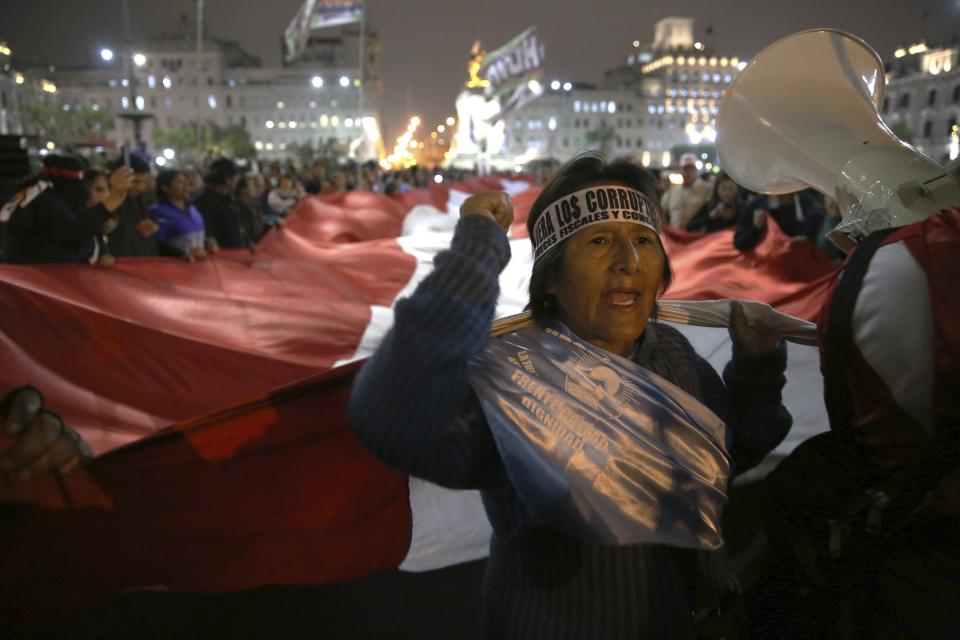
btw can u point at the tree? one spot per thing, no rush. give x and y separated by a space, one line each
231 141
902 130
602 137
181 139
67 125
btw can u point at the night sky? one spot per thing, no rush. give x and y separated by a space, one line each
426 42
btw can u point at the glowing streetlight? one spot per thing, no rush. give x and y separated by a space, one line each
316 81
567 86
139 59
169 154
555 85
451 121
106 54
344 81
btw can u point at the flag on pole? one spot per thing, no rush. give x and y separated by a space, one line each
318 14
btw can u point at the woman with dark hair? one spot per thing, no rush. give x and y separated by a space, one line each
180 224
721 210
98 189
595 279
49 220
247 194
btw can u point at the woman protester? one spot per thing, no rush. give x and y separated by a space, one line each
414 407
181 225
98 189
721 210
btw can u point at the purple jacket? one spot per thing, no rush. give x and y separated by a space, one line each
178 227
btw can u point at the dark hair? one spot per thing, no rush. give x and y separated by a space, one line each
584 169
164 178
220 171
715 196
90 176
242 183
137 163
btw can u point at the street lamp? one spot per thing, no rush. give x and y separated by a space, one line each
106 54
139 59
344 81
317 82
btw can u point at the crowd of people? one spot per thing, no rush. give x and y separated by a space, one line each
95 215
71 212
712 202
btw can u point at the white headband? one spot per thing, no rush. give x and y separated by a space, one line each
587 207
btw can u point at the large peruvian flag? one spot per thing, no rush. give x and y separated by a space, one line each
250 357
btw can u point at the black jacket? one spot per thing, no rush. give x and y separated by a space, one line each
793 223
47 230
223 219
126 240
703 223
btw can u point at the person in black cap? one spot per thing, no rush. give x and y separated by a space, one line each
135 234
48 221
222 217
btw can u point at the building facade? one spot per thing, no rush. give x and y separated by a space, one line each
922 98
15 94
315 101
664 95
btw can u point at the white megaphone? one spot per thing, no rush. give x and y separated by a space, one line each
804 112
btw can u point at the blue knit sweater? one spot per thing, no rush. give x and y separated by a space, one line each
413 408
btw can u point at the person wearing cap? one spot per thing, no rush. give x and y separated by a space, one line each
681 202
48 220
597 276
224 221
135 234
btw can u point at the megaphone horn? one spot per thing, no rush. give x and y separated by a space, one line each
804 112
